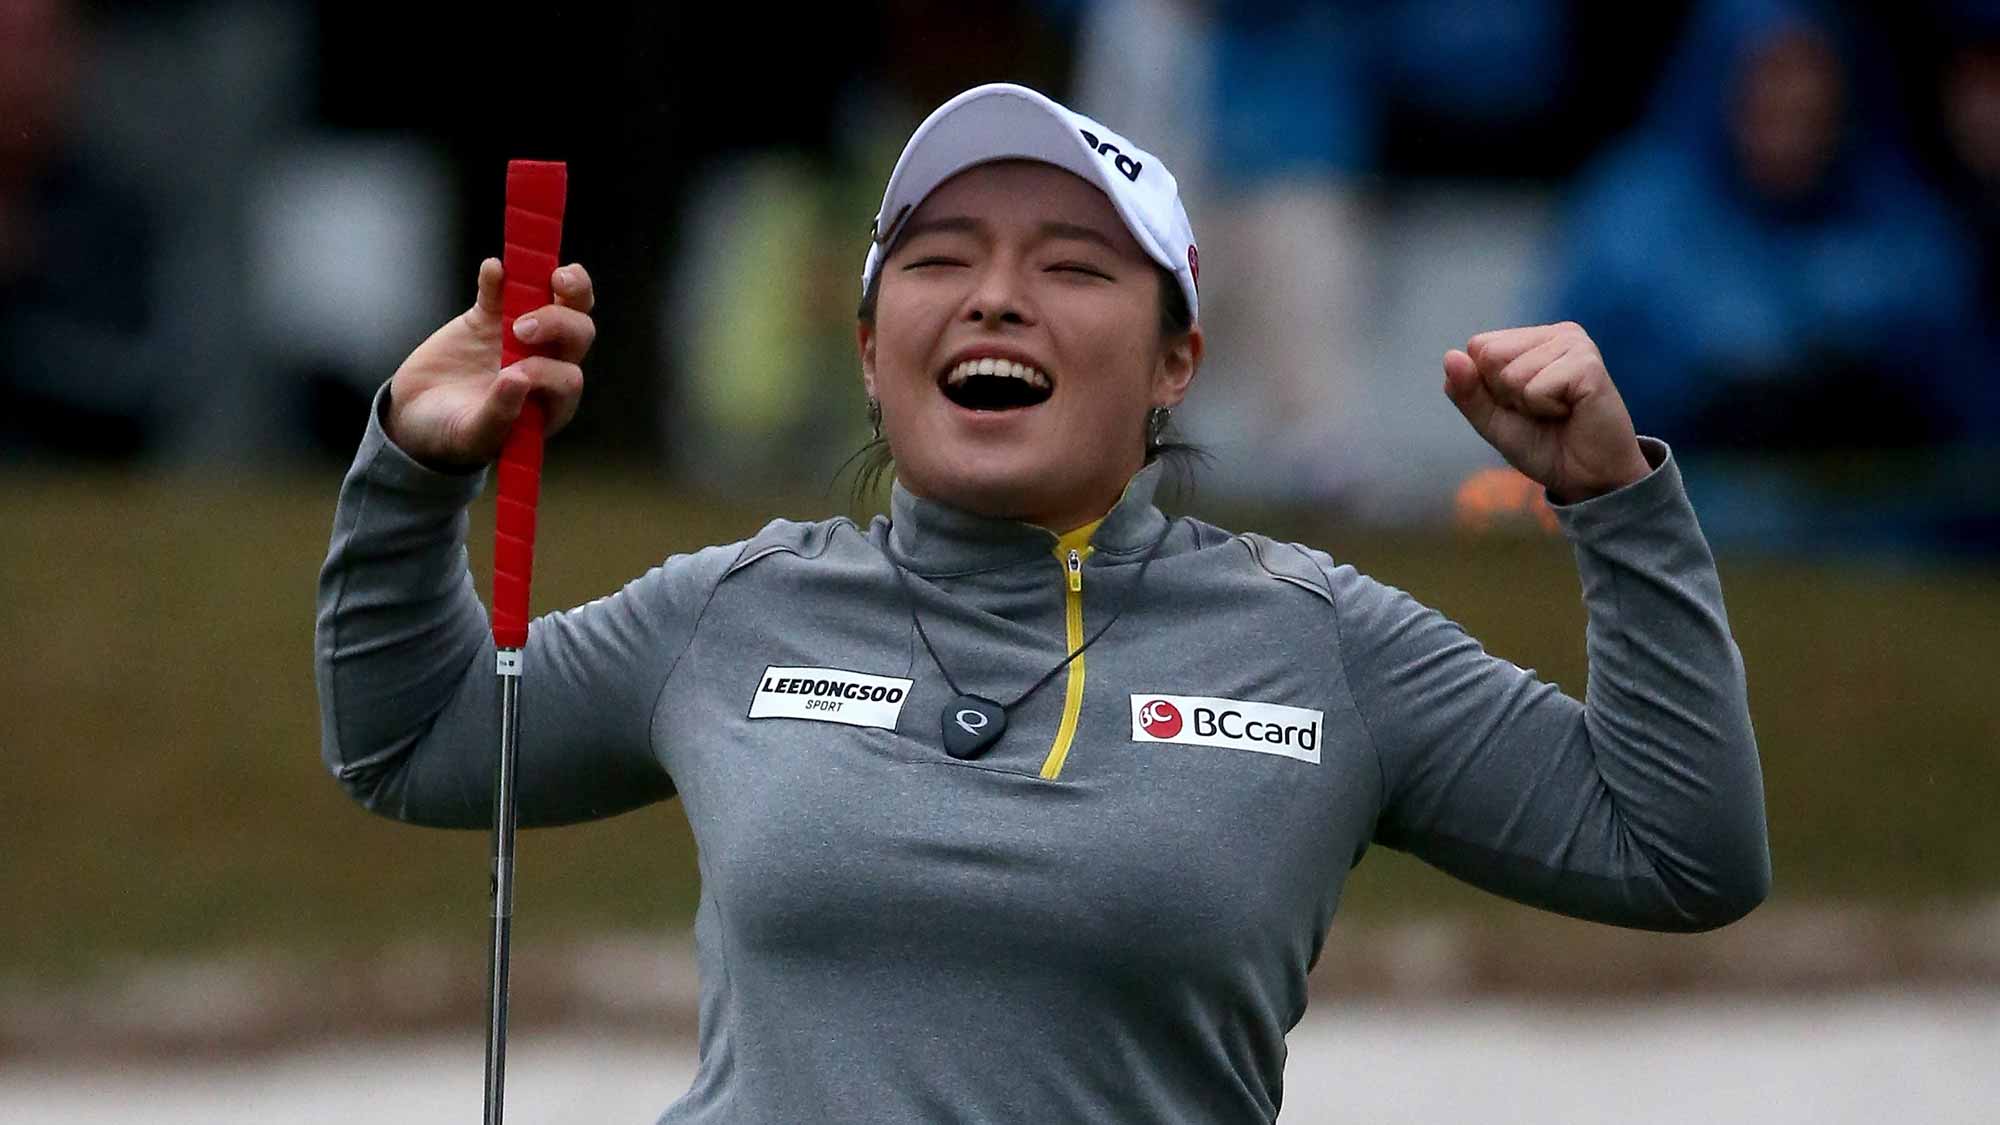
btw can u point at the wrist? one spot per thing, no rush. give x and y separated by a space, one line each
387 415
1631 470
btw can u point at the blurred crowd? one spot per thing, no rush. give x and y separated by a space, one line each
223 221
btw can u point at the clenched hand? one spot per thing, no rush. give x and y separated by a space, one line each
1541 396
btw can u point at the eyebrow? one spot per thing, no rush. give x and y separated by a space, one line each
959 224
1076 231
966 224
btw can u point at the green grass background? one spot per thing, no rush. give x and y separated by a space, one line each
164 795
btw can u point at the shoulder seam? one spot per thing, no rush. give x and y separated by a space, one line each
653 709
1255 543
767 541
1354 700
1258 544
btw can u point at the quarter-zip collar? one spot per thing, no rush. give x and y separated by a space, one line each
936 540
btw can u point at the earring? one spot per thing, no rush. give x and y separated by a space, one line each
875 418
1156 424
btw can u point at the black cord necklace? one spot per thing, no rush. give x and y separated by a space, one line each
971 723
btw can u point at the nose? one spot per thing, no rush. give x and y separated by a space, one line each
999 297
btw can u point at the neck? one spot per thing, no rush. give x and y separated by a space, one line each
1077 519
1060 518
941 537
1069 519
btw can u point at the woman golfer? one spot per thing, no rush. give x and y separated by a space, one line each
1028 803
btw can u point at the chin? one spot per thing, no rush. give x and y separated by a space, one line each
1004 487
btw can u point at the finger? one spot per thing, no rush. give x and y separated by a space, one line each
1554 389
559 384
1495 350
573 287
1509 382
558 332
490 276
1467 391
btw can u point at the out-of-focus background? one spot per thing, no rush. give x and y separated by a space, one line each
223 222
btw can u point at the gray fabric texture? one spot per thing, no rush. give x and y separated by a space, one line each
886 934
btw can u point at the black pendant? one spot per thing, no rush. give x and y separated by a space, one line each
971 724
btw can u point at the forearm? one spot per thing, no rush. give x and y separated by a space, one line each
1667 714
399 633
408 697
1641 806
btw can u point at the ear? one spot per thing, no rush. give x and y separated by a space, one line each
1175 372
864 342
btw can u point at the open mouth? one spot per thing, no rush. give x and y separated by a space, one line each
996 384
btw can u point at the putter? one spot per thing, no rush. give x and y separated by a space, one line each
533 238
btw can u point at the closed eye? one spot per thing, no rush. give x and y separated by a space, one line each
920 263
1080 268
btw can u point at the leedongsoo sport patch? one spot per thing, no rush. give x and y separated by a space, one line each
1233 724
830 695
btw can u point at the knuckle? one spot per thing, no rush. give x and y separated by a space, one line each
571 326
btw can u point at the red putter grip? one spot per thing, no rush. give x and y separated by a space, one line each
533 239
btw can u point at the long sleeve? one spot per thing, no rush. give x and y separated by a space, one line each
403 655
1642 805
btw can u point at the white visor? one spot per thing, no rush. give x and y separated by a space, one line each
1002 121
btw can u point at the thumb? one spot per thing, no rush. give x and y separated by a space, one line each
1467 391
496 413
491 275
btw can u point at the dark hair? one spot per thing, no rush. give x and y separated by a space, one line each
1176 319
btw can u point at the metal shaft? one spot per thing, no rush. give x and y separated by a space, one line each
502 884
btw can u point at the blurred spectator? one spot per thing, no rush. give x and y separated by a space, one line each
760 324
758 316
1286 240
1968 99
76 371
1760 264
1277 116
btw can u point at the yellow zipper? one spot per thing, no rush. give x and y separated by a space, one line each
1071 550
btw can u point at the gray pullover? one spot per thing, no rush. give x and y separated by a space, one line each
1110 915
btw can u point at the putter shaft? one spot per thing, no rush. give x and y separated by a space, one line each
509 667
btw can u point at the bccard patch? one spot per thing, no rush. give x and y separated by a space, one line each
1233 724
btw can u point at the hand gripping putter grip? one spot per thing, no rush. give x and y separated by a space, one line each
533 239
